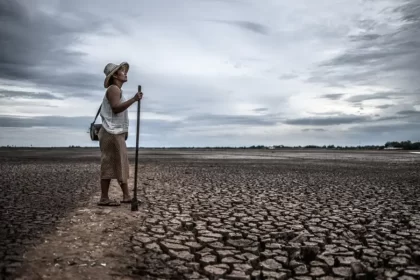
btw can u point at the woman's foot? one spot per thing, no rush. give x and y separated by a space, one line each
108 202
126 199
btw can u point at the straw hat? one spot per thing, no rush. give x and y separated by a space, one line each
110 69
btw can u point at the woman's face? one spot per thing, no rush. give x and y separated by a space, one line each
121 75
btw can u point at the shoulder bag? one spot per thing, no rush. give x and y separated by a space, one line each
94 128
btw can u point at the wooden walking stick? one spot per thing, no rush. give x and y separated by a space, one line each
134 201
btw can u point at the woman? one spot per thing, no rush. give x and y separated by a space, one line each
112 135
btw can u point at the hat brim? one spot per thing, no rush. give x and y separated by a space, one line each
108 77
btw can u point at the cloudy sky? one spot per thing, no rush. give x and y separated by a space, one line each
213 72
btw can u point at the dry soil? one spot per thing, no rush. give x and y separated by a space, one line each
211 214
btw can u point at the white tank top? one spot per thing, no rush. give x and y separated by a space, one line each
111 122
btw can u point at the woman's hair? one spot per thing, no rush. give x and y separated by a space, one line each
111 80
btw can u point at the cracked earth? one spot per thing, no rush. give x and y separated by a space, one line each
354 216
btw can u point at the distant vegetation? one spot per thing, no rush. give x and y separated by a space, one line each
405 145
391 145
394 145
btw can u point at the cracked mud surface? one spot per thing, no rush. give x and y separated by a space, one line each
277 220
349 217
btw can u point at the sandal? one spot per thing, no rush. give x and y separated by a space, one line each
108 203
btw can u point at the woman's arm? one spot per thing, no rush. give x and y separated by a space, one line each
114 94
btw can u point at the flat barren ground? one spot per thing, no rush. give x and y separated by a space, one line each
211 214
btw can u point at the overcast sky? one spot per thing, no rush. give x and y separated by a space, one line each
213 73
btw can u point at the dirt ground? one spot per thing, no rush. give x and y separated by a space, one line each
218 215
91 243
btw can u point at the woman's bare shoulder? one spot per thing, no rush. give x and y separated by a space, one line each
113 90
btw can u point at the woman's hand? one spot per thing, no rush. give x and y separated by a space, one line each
138 96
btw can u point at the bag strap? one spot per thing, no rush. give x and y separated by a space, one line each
99 110
97 114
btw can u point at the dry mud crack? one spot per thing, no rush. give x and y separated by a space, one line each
251 219
275 222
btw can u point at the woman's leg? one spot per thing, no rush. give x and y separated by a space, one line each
126 194
104 189
106 163
124 171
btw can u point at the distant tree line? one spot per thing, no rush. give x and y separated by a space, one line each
403 145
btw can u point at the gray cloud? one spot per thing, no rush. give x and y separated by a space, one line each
313 129
364 37
326 113
321 121
33 47
379 56
410 11
82 123
343 77
28 95
379 95
219 119
376 133
147 126
409 113
288 76
37 41
260 109
246 25
367 56
157 128
203 120
412 127
223 1
359 98
46 121
332 96
385 106
161 131
344 119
